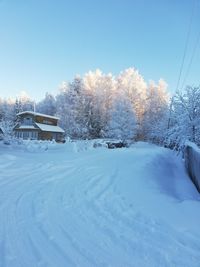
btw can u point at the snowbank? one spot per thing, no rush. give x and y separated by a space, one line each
72 146
37 146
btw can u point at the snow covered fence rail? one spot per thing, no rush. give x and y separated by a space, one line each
192 163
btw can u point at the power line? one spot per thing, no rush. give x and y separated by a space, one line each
186 46
191 60
183 60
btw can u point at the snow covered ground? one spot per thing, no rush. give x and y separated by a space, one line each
65 206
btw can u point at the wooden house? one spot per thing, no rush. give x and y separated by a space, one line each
34 125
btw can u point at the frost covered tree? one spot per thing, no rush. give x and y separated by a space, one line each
1 109
72 108
185 117
18 106
7 117
81 106
8 110
7 128
98 105
99 87
122 122
155 119
64 106
131 82
26 103
47 105
17 109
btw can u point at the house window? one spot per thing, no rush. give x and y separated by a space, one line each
27 121
34 135
25 135
47 122
30 135
54 136
18 134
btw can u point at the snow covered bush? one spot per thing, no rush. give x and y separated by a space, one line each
7 134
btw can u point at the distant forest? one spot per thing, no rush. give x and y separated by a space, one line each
100 105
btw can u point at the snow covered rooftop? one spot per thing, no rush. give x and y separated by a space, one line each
27 127
49 128
37 114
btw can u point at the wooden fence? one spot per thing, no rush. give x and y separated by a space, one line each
192 163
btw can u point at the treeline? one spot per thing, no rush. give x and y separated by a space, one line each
100 105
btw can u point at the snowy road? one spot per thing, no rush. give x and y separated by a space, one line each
125 207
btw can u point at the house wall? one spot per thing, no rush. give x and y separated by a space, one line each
50 136
45 136
45 120
26 119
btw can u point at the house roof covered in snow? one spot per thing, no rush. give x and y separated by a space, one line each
49 128
37 114
27 127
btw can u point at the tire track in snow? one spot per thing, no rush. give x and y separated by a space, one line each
60 215
25 198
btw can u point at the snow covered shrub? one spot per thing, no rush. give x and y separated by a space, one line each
83 145
37 145
7 128
100 143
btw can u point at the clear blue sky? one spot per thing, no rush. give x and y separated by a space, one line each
43 42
